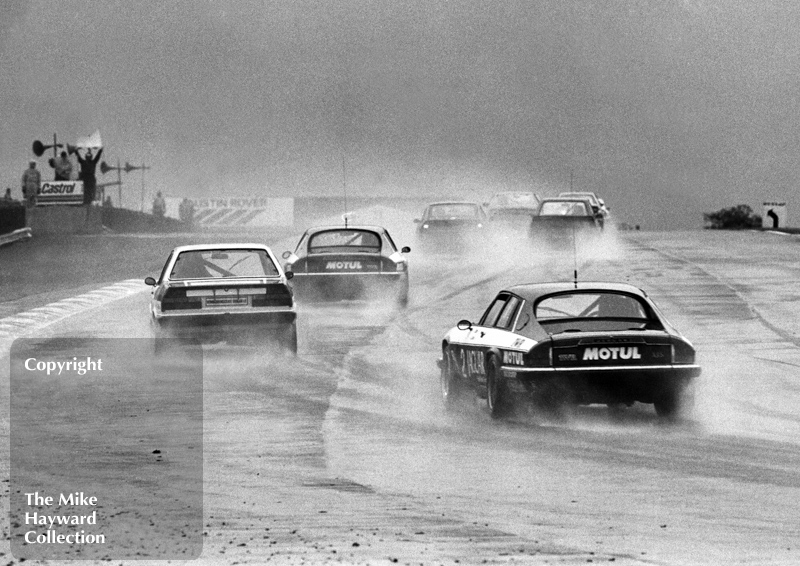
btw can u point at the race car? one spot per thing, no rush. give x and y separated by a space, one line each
346 263
512 210
224 292
448 226
560 219
552 345
598 205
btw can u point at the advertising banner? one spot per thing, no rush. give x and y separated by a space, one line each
258 211
60 192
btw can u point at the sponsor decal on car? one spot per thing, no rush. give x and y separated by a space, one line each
612 353
343 265
513 358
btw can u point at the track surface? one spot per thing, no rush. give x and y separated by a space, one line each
344 455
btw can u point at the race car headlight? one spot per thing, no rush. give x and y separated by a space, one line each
425 226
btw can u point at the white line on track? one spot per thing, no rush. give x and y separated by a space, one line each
30 321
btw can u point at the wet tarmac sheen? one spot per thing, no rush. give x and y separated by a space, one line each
344 454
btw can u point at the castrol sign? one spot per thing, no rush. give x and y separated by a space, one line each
60 192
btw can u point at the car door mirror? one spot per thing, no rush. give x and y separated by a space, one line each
405 249
289 274
417 220
150 281
286 254
464 324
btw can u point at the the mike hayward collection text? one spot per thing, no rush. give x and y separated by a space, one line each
50 522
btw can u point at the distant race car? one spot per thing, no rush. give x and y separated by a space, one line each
447 226
598 205
556 344
512 209
224 292
560 218
354 262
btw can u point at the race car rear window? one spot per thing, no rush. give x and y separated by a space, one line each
564 208
220 264
594 311
345 239
452 211
589 305
514 200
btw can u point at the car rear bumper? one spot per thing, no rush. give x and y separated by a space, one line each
222 324
609 384
350 285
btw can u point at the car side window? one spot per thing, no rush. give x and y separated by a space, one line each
389 240
166 265
493 312
507 315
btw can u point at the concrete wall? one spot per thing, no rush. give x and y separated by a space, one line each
65 219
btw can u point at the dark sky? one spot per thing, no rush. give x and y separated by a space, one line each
667 108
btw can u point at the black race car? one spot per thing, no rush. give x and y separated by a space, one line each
560 220
449 226
354 262
512 210
555 344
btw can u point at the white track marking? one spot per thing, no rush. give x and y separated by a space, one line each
30 321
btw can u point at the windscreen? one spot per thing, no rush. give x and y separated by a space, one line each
594 311
220 264
514 200
563 208
452 211
352 240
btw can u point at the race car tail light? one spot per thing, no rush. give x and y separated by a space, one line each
682 353
275 296
539 356
175 299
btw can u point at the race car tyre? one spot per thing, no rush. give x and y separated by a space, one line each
402 300
452 388
289 339
497 394
676 403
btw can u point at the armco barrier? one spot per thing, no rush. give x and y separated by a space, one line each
65 219
12 217
15 236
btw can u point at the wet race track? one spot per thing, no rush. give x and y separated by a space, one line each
345 454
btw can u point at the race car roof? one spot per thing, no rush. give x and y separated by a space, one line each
371 227
533 291
235 246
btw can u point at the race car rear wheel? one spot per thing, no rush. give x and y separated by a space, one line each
497 394
289 339
452 388
675 403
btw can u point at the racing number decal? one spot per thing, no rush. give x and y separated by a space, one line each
468 362
475 362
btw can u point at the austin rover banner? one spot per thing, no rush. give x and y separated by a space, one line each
60 192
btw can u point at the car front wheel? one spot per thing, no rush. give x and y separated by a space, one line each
452 389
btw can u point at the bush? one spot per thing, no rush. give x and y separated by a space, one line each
735 218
